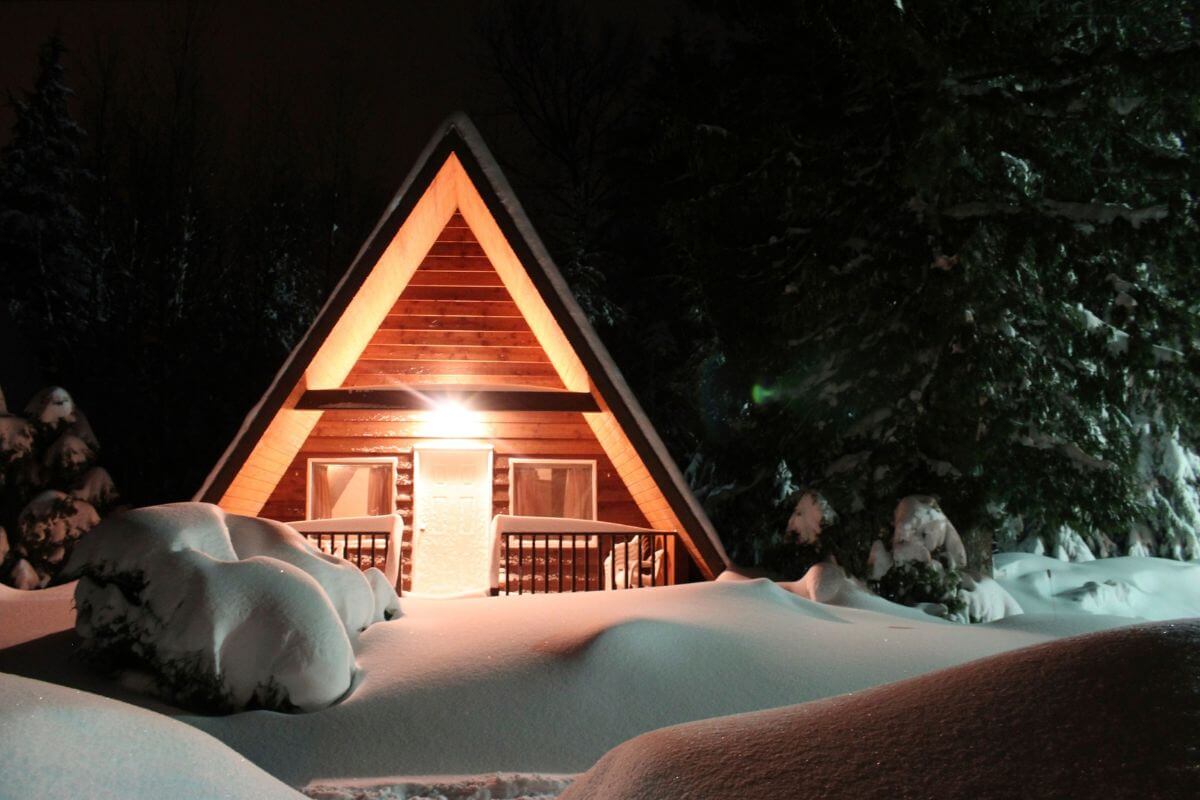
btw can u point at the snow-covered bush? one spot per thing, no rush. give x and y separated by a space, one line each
47 529
52 407
807 539
51 490
923 563
223 612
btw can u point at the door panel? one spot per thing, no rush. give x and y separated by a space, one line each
452 504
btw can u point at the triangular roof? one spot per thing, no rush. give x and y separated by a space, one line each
457 172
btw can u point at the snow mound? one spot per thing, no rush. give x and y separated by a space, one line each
1131 586
1073 716
223 612
987 600
60 742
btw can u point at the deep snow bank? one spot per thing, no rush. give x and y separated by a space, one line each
1072 718
222 611
58 742
548 683
1133 586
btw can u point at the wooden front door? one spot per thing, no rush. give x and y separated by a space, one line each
452 512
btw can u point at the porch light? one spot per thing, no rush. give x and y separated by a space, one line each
450 418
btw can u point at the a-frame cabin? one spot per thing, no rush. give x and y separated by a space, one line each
452 377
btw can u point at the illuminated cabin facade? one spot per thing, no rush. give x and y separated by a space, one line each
452 378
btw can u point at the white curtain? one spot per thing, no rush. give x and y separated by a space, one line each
321 504
577 493
552 490
379 492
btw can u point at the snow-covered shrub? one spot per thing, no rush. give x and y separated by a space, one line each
344 584
96 487
16 444
923 563
387 602
52 407
224 612
811 516
986 600
51 491
1170 472
24 576
67 458
48 528
926 584
808 533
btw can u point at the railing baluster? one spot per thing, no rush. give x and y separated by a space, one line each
625 553
521 564
654 566
546 563
612 562
558 551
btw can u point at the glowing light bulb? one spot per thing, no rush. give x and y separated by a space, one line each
451 418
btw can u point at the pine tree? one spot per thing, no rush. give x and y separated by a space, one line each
46 258
967 236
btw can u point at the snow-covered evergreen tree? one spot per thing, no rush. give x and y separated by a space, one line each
51 489
46 249
967 235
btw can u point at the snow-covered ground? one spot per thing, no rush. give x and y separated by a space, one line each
544 685
1139 587
59 742
1108 715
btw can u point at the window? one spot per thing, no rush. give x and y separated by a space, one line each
553 488
351 487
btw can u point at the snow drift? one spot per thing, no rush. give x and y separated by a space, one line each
222 611
1066 719
60 742
1131 586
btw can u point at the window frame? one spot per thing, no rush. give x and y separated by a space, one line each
391 461
552 462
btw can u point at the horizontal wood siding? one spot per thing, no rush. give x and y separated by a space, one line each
340 434
454 323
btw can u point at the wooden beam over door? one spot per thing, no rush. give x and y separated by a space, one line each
429 398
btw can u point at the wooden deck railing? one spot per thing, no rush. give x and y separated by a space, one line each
363 549
571 562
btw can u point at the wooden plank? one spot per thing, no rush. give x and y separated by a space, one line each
455 277
446 339
456 293
367 366
520 447
423 352
437 263
386 416
452 308
427 429
453 322
399 399
459 233
383 381
444 248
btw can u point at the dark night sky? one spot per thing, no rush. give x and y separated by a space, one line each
412 59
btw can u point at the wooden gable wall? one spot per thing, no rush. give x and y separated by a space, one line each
455 323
